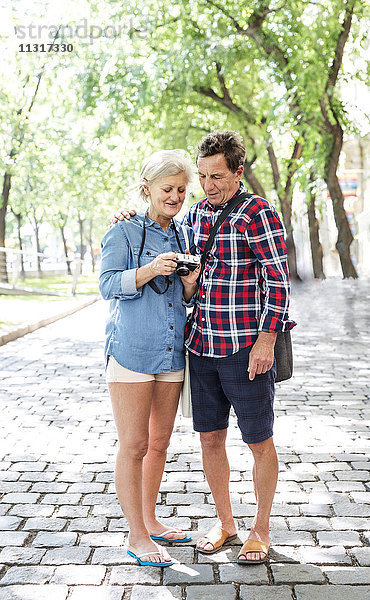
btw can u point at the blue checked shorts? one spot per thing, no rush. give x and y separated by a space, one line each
219 383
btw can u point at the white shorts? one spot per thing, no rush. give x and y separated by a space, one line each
118 374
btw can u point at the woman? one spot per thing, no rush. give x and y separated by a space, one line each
144 345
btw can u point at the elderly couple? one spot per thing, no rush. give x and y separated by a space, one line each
240 302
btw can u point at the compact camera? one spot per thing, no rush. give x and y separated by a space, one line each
186 263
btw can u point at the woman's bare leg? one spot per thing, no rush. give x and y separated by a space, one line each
164 406
131 408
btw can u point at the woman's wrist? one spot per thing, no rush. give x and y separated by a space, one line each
143 275
189 290
189 286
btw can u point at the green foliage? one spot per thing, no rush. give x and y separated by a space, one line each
179 70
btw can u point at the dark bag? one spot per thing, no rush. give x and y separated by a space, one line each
283 356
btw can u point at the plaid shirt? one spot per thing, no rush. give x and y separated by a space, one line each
244 288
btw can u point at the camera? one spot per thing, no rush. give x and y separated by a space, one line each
186 263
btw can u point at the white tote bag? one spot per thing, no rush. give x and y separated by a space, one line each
185 399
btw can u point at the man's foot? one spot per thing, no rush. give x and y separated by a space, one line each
215 539
163 533
255 549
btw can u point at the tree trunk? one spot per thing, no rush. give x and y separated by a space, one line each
285 199
316 247
4 206
36 228
91 244
286 210
253 181
81 228
18 217
345 237
68 262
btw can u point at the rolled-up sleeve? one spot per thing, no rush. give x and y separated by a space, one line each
116 279
265 236
191 302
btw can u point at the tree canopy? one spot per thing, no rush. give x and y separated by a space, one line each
158 74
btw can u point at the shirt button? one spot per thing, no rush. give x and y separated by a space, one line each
169 349
171 326
203 319
166 239
170 304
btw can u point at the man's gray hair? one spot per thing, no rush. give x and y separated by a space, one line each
228 143
162 164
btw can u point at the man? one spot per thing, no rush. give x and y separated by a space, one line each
242 302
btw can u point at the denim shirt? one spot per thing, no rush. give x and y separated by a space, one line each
144 330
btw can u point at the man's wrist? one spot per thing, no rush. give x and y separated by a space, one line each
267 337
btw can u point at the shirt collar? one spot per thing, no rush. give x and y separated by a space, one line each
241 190
150 223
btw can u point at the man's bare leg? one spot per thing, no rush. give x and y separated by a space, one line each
217 470
265 474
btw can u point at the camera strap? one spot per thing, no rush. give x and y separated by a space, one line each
220 219
231 204
151 283
186 237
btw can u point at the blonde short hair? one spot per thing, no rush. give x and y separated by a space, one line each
163 163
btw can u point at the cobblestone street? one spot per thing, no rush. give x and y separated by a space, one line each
62 531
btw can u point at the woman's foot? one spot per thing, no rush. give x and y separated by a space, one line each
149 551
170 534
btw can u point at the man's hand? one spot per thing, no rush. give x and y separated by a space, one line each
261 356
123 214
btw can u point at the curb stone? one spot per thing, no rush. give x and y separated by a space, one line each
22 331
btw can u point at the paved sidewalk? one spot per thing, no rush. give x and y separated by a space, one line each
62 530
26 318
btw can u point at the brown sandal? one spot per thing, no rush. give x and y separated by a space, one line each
253 546
217 537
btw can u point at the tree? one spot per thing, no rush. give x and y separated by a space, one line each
332 127
313 224
298 48
277 48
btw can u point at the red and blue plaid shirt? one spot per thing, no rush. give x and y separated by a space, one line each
244 288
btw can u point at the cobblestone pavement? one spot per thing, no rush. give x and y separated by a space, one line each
62 530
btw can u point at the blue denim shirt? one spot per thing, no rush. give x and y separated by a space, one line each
144 331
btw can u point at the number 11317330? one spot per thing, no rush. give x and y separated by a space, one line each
45 47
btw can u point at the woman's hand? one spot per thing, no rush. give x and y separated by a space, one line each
164 264
189 282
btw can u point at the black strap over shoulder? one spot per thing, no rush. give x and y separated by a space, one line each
220 219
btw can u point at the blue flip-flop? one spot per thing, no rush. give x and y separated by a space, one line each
162 538
148 563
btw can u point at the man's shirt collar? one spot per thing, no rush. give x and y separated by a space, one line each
241 189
